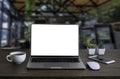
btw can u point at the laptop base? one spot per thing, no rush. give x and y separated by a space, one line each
55 65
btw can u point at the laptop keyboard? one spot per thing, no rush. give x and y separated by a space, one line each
55 60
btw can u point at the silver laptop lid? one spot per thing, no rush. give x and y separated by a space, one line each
54 40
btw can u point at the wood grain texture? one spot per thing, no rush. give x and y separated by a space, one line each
14 71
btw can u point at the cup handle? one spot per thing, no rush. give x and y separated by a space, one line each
8 57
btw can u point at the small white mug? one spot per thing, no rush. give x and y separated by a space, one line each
17 57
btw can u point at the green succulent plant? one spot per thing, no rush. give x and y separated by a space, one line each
92 46
100 45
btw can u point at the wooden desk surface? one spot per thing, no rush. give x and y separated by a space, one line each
9 70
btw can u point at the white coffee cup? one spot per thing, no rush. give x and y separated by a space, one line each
17 57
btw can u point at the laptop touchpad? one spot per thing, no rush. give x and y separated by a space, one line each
56 65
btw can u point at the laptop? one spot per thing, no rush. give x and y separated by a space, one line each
55 46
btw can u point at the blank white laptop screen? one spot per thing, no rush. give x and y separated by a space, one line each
54 40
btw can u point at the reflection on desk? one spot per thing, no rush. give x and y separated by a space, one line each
13 71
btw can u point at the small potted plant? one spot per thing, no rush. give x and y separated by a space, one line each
91 49
101 49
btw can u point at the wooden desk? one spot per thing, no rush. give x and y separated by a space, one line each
9 70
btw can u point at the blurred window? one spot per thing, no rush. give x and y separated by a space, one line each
6 4
5 30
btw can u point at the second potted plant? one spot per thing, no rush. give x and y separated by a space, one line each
101 49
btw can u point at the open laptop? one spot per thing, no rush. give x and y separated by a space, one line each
55 46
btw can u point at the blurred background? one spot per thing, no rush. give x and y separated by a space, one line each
99 20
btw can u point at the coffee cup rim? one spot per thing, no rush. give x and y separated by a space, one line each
17 52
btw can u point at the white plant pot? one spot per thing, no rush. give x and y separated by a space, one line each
91 51
101 51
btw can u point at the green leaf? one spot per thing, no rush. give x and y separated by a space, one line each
100 45
91 46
